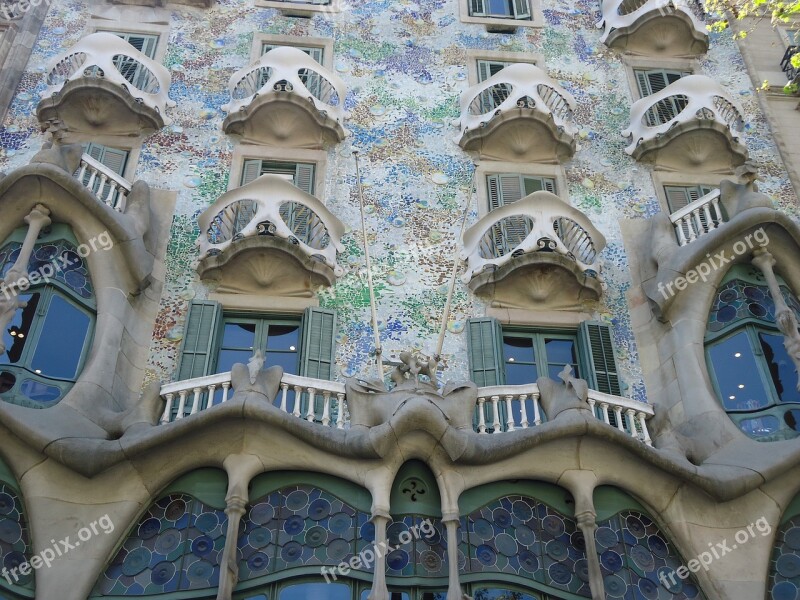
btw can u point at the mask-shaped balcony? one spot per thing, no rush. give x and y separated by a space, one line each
519 114
104 85
286 98
654 27
691 124
269 237
538 252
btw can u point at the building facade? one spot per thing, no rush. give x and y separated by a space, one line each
396 300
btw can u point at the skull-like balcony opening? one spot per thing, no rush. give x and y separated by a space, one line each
105 85
519 114
286 98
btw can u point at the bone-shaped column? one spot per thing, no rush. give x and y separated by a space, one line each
379 589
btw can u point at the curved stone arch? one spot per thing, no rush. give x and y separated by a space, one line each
14 526
299 522
525 534
635 552
783 580
176 544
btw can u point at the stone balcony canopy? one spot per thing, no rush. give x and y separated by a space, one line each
104 85
654 27
286 98
519 114
536 252
269 237
691 124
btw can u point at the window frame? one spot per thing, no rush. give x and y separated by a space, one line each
473 56
662 180
300 8
260 320
245 152
538 334
287 170
324 44
498 23
484 169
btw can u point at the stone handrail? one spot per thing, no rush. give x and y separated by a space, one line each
108 187
519 85
704 99
262 207
324 402
288 69
618 14
689 225
102 55
541 222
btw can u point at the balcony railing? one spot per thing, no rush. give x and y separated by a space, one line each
287 69
272 206
498 409
692 98
786 63
624 14
108 187
517 86
108 57
698 218
540 222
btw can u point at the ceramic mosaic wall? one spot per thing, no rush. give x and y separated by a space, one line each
405 64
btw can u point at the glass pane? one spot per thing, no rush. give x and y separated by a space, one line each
518 350
288 360
316 591
759 427
736 372
392 595
60 344
16 335
40 392
499 7
239 335
781 367
283 337
560 352
498 594
228 358
533 184
433 596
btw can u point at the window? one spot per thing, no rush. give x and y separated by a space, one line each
490 68
507 355
506 9
47 341
300 174
144 43
311 79
754 376
652 81
314 52
278 339
679 196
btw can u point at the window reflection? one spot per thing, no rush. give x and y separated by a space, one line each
736 372
316 591
18 332
781 367
61 341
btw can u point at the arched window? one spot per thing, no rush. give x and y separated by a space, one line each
47 341
753 374
636 558
784 575
176 545
15 545
521 536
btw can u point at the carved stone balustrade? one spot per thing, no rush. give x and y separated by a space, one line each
536 251
104 85
691 124
108 187
662 27
286 98
519 114
269 234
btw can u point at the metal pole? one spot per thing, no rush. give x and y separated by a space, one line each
378 349
456 262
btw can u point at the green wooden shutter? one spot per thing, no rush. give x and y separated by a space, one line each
146 44
477 8
522 9
485 347
317 352
251 170
199 336
597 352
304 177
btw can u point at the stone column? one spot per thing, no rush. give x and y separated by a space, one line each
451 523
588 526
241 468
379 590
784 316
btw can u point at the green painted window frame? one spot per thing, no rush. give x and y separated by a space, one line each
539 335
262 323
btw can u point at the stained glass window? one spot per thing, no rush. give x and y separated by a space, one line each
15 548
751 369
177 545
58 259
637 561
784 576
520 535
